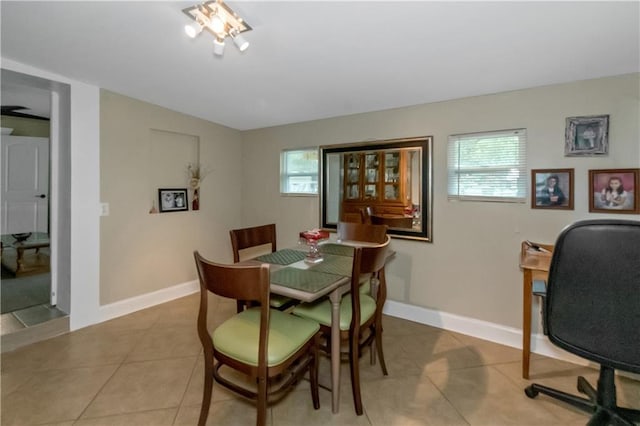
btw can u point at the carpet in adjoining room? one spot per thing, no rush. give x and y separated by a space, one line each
23 292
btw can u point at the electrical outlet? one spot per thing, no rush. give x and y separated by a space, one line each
104 209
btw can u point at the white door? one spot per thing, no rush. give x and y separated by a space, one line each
25 184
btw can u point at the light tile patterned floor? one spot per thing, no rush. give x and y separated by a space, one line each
146 369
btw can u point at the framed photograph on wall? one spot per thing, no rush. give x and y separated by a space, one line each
614 191
172 200
552 189
587 136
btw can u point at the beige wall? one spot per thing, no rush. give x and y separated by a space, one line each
471 268
141 252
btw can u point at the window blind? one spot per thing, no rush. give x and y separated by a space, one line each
488 166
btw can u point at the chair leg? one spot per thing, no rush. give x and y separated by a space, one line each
378 331
601 403
313 373
262 402
208 390
354 364
580 403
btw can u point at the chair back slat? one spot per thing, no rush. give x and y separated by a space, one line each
246 282
251 237
362 232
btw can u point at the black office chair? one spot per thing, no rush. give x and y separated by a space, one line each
593 311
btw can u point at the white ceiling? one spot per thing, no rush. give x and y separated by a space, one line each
311 60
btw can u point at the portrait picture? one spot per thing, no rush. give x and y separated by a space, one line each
172 200
614 191
552 189
586 136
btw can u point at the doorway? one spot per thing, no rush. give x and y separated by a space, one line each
36 196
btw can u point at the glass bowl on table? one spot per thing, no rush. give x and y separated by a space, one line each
311 238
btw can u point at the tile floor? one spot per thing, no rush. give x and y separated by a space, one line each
146 369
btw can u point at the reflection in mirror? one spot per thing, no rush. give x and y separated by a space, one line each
381 182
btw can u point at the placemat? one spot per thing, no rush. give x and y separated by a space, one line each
302 279
337 249
282 257
337 265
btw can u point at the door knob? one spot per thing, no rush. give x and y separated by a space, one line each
41 196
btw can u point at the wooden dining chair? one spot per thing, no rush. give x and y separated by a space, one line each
272 348
365 215
362 232
251 242
360 314
349 231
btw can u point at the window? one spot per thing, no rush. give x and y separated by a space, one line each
299 171
488 166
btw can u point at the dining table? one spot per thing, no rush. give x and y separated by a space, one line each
293 277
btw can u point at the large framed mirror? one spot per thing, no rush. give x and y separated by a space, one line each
382 182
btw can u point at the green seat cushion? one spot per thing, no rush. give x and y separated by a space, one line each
278 301
238 337
321 311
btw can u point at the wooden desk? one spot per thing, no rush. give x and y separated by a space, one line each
535 266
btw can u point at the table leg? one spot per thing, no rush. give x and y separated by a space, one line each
335 298
19 259
526 321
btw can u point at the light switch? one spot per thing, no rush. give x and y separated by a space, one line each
104 209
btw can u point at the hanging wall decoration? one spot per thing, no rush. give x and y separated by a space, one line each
587 136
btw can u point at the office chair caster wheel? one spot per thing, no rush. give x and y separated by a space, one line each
530 392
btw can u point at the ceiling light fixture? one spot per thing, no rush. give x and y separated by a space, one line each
217 18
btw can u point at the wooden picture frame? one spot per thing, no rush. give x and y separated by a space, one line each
614 191
587 136
552 189
172 200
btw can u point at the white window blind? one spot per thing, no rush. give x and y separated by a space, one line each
488 166
299 171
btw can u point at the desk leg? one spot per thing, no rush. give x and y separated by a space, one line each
526 321
335 298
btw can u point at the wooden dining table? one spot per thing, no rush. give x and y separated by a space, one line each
291 276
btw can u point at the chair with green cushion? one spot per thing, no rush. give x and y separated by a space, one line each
350 231
251 242
272 348
360 314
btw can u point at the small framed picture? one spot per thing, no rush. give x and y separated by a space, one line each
172 200
587 136
614 191
552 189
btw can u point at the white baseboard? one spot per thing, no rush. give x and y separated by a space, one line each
148 300
485 330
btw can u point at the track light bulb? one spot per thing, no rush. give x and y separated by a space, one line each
239 40
218 47
216 24
193 30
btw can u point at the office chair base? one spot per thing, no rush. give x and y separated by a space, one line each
601 403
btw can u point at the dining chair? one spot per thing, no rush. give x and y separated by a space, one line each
365 215
360 314
272 348
350 231
251 242
362 232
